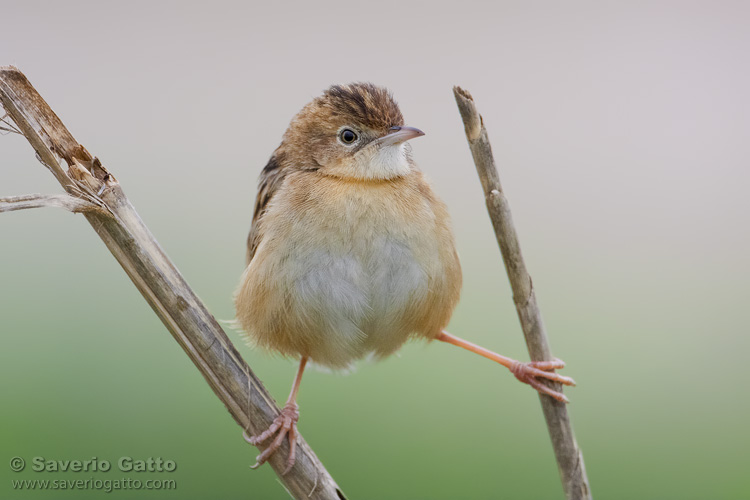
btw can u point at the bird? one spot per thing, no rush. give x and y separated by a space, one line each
350 252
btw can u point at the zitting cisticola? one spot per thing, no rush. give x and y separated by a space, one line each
350 252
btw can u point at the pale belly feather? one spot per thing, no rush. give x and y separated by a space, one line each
363 301
348 276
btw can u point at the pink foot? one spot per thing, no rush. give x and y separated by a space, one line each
529 372
284 424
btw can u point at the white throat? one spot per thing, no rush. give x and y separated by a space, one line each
384 162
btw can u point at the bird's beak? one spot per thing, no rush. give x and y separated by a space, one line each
399 135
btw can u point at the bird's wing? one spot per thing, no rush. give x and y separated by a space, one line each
271 179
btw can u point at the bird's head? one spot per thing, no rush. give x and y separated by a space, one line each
353 131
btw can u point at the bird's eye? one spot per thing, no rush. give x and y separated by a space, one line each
348 136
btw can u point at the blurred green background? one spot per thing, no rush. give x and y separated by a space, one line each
621 131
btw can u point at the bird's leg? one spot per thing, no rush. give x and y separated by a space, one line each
525 372
284 424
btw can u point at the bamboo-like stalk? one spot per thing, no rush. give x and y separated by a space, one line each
104 204
569 457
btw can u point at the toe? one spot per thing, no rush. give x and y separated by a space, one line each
546 390
556 378
523 370
292 449
266 454
555 364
